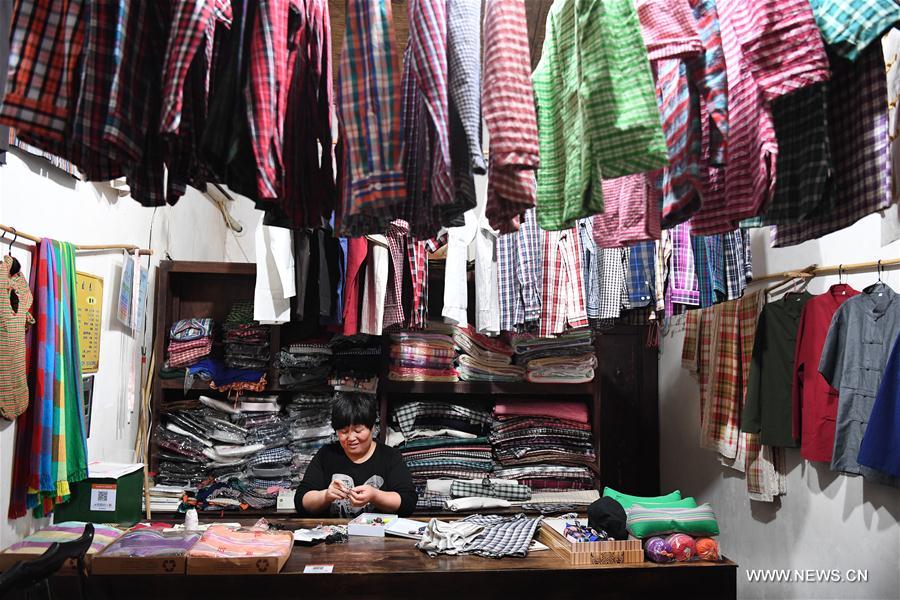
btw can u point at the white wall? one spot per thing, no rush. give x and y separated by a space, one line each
41 200
826 521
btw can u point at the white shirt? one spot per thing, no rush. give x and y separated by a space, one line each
375 285
275 281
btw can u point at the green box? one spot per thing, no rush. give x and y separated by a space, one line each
127 509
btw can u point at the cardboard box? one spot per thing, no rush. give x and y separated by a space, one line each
264 563
592 553
127 565
365 524
244 565
108 495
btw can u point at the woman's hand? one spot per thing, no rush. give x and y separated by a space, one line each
336 491
362 495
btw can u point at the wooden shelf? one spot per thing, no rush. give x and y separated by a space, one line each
521 388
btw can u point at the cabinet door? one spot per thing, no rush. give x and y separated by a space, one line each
628 411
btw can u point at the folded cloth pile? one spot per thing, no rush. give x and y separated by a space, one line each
439 439
305 366
246 341
549 478
484 359
151 543
220 541
494 536
542 433
40 541
422 356
224 378
356 362
567 358
189 341
166 498
309 418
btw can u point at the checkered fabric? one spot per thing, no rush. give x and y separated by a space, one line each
369 84
850 26
640 277
397 237
562 291
590 268
428 500
683 285
616 131
280 456
613 295
512 309
417 253
190 356
464 69
734 255
509 113
503 536
530 266
669 28
487 489
190 329
721 417
406 414
858 126
46 42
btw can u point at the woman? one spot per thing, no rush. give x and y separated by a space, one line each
356 474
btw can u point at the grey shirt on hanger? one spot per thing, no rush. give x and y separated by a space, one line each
856 351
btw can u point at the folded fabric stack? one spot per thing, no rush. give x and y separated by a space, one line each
422 356
484 359
309 418
567 358
40 541
189 341
147 543
166 498
537 443
246 341
305 366
356 362
224 378
439 439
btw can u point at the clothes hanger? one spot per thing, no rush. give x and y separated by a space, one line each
840 278
16 267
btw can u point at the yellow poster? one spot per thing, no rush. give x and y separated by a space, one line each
90 316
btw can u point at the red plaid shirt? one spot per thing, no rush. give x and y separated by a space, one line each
562 293
397 236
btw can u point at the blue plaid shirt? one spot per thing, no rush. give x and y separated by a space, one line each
640 277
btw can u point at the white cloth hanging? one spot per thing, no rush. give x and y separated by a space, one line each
375 286
275 280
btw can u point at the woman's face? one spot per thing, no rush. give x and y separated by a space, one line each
355 440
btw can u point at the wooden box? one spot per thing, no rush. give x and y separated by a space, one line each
592 553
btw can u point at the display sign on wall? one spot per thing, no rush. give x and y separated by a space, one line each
89 303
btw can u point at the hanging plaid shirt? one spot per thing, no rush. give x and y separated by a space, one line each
631 213
669 28
398 238
613 295
512 309
849 27
46 42
858 126
417 252
562 292
734 256
369 111
640 280
508 104
590 268
464 71
683 286
530 267
597 115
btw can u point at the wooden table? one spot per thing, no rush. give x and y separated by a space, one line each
392 567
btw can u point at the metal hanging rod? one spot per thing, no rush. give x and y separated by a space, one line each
84 247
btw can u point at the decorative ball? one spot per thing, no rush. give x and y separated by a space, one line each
658 550
707 549
683 547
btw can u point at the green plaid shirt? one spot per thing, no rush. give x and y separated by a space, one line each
597 111
849 26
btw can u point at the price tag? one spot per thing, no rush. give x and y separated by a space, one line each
103 497
318 568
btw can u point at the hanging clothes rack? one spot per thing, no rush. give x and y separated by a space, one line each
814 271
82 247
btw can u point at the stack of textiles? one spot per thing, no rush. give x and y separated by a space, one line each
442 440
356 361
422 356
40 541
309 418
268 470
305 366
246 341
544 445
148 542
166 498
484 359
189 341
567 358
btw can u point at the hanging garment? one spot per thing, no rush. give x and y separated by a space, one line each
849 27
15 318
417 253
562 291
275 277
357 251
375 286
597 114
590 268
856 350
880 446
368 99
508 104
683 287
640 279
668 28
519 271
631 213
456 289
613 295
814 401
394 310
487 294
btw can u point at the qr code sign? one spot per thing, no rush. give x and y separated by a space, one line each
103 497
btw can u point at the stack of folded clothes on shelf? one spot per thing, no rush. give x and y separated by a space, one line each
305 366
189 341
422 356
544 445
309 418
442 440
484 359
567 358
246 341
356 361
166 498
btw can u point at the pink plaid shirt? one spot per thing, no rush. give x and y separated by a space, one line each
631 212
668 29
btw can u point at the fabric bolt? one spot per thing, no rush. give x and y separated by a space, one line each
369 76
851 27
590 268
862 334
562 298
15 318
509 113
858 126
815 402
879 447
594 52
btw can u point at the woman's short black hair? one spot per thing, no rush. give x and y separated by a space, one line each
353 409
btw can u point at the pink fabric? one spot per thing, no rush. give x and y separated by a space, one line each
573 411
631 213
668 29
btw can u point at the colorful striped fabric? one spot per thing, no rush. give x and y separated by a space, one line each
40 541
645 522
224 542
